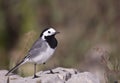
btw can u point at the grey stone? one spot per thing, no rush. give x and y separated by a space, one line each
85 77
60 75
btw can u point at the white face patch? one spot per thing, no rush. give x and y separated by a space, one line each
49 32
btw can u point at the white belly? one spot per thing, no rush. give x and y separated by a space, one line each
44 56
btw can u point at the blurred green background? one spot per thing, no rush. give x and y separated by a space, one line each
89 33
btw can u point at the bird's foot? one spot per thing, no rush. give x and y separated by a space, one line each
35 76
51 72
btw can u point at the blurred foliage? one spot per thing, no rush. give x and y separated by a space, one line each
83 24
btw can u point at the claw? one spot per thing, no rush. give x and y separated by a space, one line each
35 76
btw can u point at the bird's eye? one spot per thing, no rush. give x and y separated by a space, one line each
49 32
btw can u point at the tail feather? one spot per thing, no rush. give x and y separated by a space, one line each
14 68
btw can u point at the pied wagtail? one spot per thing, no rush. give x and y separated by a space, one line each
41 51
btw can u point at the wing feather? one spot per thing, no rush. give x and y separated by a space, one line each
38 47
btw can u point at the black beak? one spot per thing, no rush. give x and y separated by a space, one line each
57 33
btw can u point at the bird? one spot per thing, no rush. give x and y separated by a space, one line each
41 50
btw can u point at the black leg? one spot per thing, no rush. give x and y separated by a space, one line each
44 63
35 76
51 71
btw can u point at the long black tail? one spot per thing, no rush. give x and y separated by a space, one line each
14 68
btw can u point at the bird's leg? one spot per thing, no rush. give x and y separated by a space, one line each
35 76
51 71
44 63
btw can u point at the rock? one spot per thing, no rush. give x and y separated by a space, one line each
7 79
85 77
60 75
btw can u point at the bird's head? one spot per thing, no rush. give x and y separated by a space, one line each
48 32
